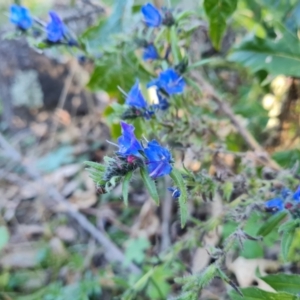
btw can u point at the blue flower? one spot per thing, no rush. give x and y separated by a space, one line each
285 192
274 205
170 81
163 103
152 16
56 29
150 53
20 16
296 195
128 144
135 97
175 192
158 160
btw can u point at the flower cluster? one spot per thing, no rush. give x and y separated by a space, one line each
56 31
288 200
169 82
157 158
138 106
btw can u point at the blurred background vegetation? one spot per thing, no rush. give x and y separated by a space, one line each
55 112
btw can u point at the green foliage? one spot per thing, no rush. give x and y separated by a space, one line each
100 36
149 184
286 242
271 223
253 293
283 282
287 231
135 250
179 182
96 172
275 57
118 68
218 12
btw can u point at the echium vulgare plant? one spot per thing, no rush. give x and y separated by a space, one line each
154 70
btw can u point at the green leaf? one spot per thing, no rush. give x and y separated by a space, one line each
274 56
227 189
94 165
99 36
118 68
179 182
4 237
175 45
150 184
289 225
125 187
286 242
218 11
283 282
271 223
253 293
135 250
225 278
287 159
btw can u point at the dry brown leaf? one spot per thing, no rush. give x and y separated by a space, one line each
39 129
27 232
245 269
83 199
147 223
201 257
57 247
66 233
20 257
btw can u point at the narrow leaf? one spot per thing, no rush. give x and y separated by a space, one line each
179 182
229 281
150 185
227 190
272 222
289 225
253 293
283 282
95 165
175 45
286 242
125 187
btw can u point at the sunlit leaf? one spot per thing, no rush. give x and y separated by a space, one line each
218 11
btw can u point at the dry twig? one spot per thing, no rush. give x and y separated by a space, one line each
225 108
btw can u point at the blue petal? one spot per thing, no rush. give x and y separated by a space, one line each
135 97
170 81
296 195
128 144
274 205
152 16
175 192
158 160
285 192
56 29
163 102
150 53
20 16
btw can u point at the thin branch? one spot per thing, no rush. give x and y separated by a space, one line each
112 252
225 108
166 215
